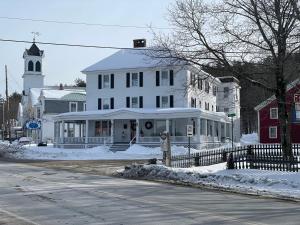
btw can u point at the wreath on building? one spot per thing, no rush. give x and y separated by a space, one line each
148 125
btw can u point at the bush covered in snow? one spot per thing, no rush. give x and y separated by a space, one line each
9 150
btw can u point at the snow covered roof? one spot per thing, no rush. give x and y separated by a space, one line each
128 59
61 94
273 97
68 95
129 113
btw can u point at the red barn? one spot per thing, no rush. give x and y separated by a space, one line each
268 123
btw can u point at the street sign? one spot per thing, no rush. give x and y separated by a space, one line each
33 125
189 130
231 114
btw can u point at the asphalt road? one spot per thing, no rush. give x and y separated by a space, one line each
37 195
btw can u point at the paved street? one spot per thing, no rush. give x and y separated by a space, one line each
37 195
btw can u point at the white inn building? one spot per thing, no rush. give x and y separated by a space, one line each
132 98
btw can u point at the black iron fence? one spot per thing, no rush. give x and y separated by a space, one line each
265 157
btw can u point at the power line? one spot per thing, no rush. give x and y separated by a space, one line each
109 47
84 23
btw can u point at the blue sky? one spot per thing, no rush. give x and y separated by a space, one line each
63 64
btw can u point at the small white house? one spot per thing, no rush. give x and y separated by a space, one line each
132 98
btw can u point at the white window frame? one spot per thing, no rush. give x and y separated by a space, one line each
137 79
270 128
70 106
137 102
271 116
103 103
168 102
165 82
108 83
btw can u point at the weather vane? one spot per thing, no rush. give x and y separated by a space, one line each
35 34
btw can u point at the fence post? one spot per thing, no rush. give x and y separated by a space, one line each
197 163
224 156
249 156
230 162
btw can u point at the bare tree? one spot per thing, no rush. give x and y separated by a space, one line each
225 31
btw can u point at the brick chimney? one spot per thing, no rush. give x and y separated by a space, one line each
139 43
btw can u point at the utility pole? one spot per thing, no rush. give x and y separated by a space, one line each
7 106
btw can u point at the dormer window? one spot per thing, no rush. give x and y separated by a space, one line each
30 66
38 66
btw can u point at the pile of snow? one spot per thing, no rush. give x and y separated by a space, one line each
268 183
32 151
249 139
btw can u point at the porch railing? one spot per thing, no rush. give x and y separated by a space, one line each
82 140
173 139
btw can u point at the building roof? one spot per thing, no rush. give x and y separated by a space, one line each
273 97
130 113
34 50
129 59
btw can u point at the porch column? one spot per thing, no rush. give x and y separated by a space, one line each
198 130
112 130
206 128
137 133
214 130
62 131
86 133
225 130
168 125
219 131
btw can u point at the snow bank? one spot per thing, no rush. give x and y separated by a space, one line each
269 183
249 139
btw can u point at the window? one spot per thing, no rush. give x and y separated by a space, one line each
102 128
273 113
106 102
297 111
200 83
134 102
106 81
206 87
200 105
226 92
30 66
164 78
38 66
73 106
226 110
215 91
134 80
165 102
38 113
206 106
192 79
273 132
212 108
193 103
84 106
217 108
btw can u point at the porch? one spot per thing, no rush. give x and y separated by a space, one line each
129 127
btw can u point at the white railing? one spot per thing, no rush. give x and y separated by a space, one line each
175 139
82 140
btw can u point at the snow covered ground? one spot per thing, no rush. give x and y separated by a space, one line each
258 182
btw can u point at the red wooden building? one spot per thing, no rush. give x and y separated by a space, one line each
267 113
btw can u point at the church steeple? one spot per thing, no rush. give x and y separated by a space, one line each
32 77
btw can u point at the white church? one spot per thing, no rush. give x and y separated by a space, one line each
41 103
132 98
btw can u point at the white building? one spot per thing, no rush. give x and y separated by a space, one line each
41 103
133 98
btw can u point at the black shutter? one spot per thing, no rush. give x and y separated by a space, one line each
141 102
128 102
157 78
157 101
112 103
99 81
127 79
198 81
99 104
112 81
171 78
141 79
171 101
